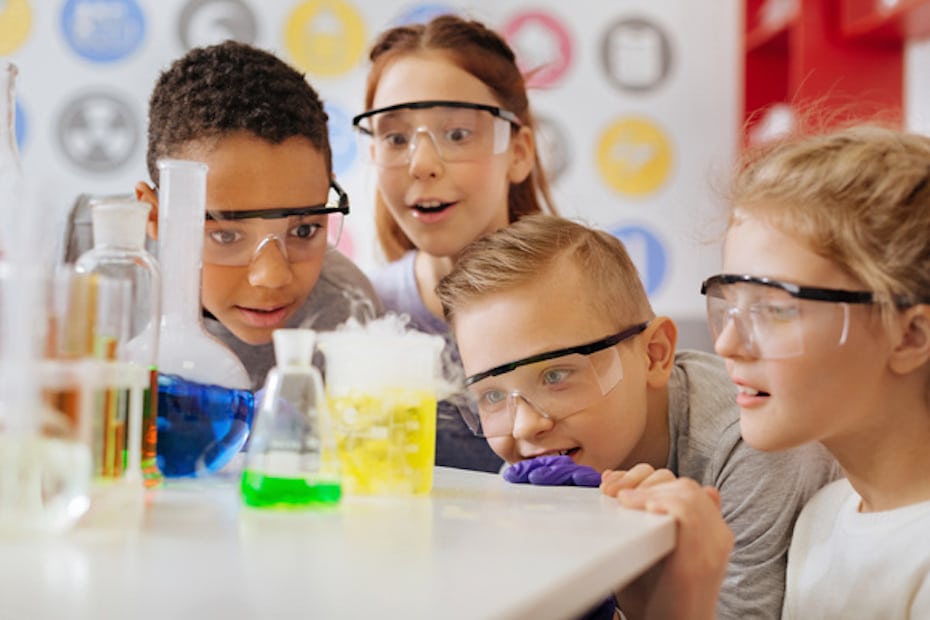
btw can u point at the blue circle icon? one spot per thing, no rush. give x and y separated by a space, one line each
422 13
648 253
20 126
341 138
103 30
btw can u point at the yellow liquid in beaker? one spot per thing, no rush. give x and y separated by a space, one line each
385 443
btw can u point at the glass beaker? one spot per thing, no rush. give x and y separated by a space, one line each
204 400
283 465
45 470
381 391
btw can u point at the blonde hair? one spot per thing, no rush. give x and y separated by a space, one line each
860 196
530 248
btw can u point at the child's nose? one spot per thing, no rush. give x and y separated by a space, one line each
729 342
425 158
270 268
528 422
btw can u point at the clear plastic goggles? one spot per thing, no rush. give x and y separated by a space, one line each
235 238
775 320
556 384
459 131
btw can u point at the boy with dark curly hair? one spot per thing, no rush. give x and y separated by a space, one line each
274 209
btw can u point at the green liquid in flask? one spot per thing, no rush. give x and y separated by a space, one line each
262 491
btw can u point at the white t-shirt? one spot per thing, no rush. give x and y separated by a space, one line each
848 564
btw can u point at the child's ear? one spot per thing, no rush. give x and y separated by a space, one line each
146 193
660 337
913 348
523 155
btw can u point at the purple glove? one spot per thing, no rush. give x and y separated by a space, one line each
552 470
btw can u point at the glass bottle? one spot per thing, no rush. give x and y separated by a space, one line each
283 465
119 252
45 471
204 400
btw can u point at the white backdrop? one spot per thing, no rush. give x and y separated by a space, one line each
639 101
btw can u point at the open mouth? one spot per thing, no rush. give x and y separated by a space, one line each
432 206
748 391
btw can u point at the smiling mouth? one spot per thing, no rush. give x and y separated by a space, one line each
432 206
568 452
748 391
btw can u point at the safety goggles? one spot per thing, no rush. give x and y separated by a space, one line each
459 131
776 320
556 384
235 238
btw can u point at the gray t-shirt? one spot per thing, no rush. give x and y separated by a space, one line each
761 493
342 291
456 445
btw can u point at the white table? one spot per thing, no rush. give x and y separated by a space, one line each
477 547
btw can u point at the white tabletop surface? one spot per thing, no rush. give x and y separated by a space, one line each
477 547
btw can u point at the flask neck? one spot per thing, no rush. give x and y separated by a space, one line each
9 151
181 216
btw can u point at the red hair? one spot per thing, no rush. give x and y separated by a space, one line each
483 53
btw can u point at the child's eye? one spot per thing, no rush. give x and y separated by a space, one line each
305 231
223 236
493 398
458 134
556 376
776 312
395 140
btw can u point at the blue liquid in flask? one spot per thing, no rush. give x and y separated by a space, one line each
200 427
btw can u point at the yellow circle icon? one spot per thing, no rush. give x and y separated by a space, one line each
325 37
634 156
15 22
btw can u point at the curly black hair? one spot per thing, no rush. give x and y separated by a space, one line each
232 86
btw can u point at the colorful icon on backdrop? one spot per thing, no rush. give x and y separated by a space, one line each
542 44
422 13
103 30
634 156
648 253
325 37
15 24
20 126
553 146
342 140
98 131
206 22
636 55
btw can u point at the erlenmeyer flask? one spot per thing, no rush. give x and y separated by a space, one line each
284 467
204 401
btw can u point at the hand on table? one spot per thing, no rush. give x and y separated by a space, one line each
689 579
552 470
639 476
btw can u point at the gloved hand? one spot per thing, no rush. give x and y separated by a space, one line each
552 470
